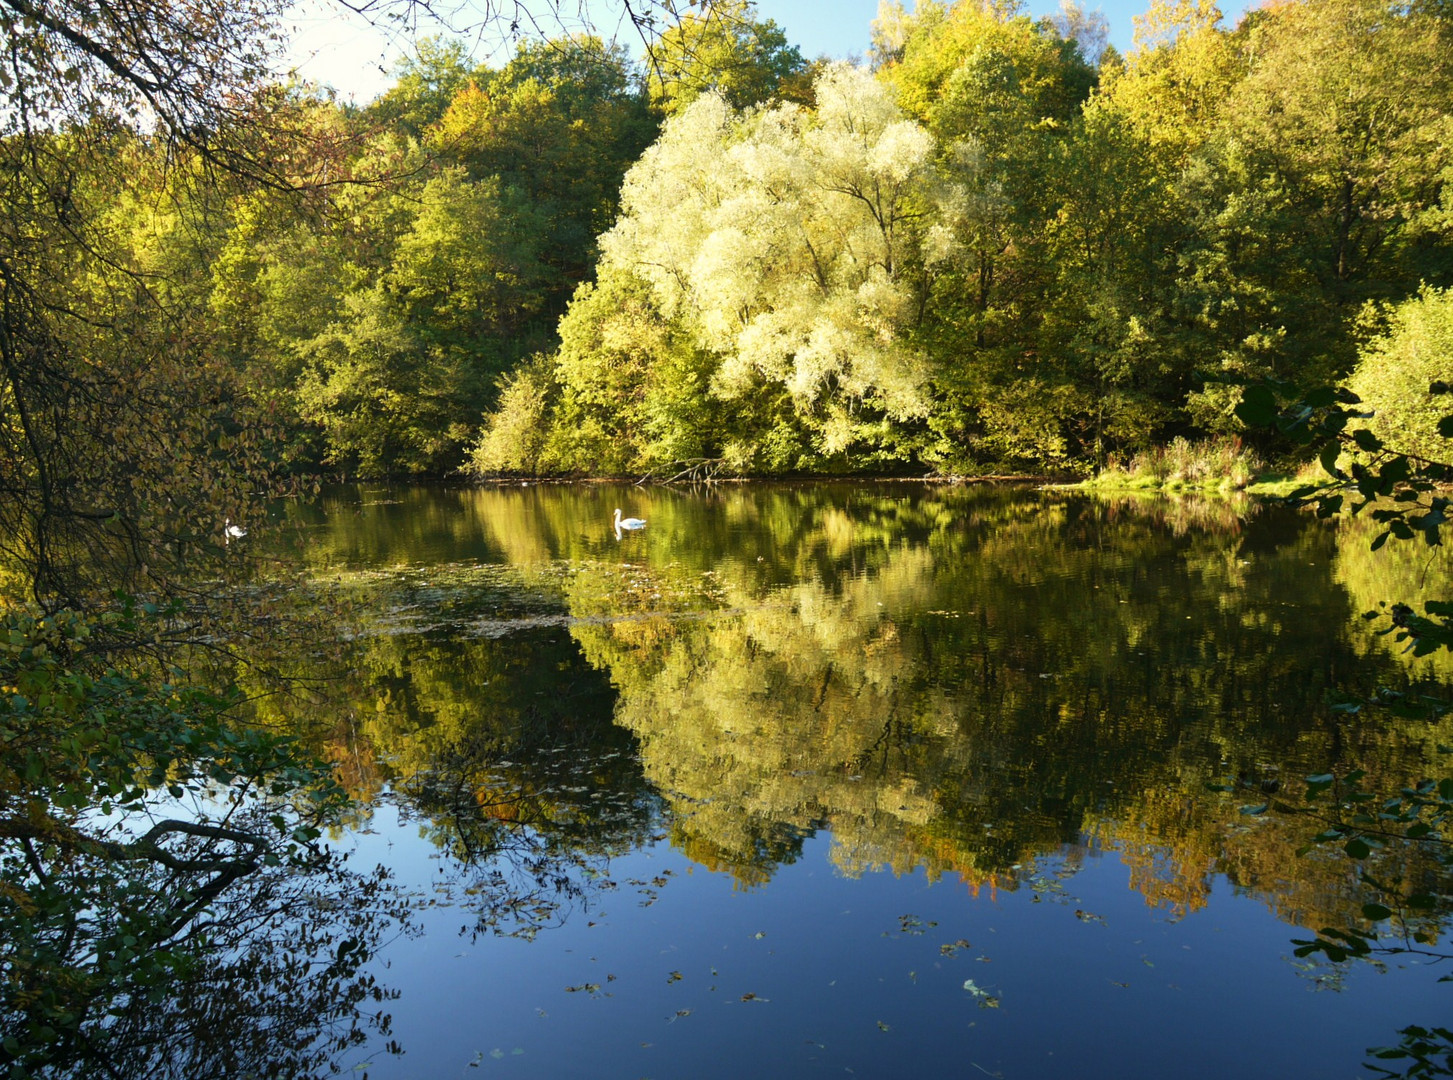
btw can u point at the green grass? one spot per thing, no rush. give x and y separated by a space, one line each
1212 466
1280 485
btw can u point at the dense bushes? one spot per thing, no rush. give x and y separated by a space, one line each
1399 368
983 253
978 257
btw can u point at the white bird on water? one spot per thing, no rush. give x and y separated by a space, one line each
628 523
232 532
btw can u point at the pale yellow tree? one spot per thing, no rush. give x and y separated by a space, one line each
787 239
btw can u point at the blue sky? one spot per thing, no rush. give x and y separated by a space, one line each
840 28
355 58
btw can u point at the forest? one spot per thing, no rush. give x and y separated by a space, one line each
987 247
994 244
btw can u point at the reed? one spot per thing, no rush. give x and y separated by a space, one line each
1211 464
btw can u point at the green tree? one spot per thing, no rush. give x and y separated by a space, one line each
1104 337
1403 374
1350 103
726 48
787 241
1003 96
559 124
1174 84
425 84
123 440
513 435
1314 191
397 379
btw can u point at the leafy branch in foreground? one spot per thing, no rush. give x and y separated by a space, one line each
1428 1051
129 812
1405 492
1366 828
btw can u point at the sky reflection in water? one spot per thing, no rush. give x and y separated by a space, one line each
895 780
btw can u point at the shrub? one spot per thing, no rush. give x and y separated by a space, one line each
1397 370
513 433
1223 464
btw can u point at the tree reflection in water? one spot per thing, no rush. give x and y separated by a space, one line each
977 684
271 980
958 680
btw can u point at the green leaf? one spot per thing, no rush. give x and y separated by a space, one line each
1445 427
1366 440
1357 848
1376 912
1395 471
1257 407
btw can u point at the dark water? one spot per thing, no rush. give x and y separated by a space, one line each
863 780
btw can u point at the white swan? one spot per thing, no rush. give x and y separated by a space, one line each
628 523
231 531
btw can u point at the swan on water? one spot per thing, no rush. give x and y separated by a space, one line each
628 523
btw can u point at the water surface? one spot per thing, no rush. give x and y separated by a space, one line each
881 780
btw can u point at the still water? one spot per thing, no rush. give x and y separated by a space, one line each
883 781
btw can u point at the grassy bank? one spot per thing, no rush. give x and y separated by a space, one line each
1214 465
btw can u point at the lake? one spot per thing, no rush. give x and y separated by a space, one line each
878 780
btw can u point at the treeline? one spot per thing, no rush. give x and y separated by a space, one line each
988 252
976 250
365 294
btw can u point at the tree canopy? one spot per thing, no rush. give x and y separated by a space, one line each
995 249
